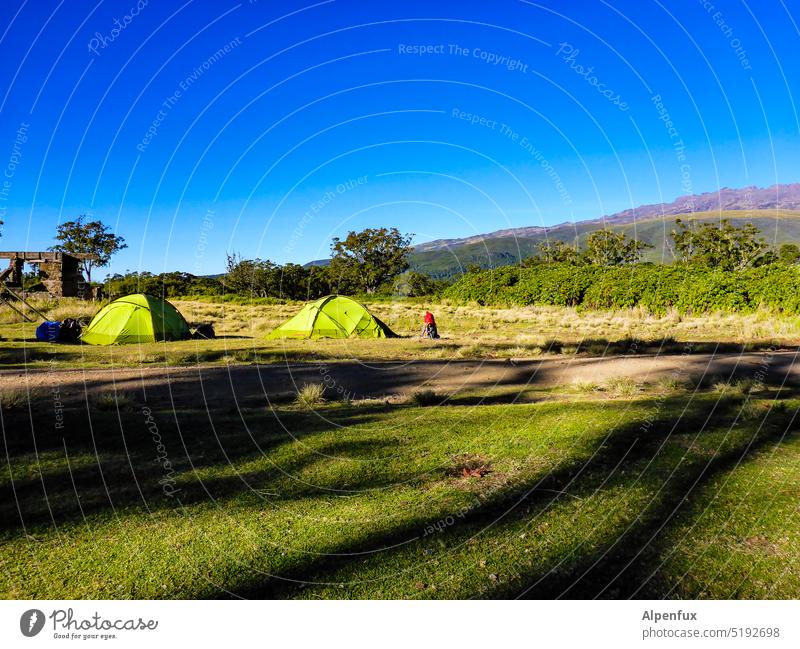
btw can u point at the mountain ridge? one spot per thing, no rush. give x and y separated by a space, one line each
779 197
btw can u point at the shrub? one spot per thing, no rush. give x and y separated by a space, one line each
311 394
426 398
656 288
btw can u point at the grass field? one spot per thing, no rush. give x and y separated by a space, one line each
610 489
666 493
467 332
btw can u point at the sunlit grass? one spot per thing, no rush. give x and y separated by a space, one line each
467 333
378 500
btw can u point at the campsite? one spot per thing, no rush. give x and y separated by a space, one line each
581 425
486 463
344 300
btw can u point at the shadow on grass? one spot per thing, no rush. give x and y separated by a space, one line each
125 475
22 356
636 346
124 471
504 398
620 567
629 567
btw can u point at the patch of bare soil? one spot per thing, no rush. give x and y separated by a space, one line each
469 466
256 385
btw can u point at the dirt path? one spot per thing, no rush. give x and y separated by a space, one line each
244 385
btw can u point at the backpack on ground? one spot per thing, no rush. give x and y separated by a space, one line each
48 331
70 330
205 331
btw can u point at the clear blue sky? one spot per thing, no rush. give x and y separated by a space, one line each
206 127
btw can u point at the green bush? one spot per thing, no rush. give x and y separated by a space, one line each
655 287
775 287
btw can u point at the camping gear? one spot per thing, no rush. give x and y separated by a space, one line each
204 331
48 331
136 318
51 331
70 330
334 316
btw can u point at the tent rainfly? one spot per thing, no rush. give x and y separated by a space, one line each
334 316
136 318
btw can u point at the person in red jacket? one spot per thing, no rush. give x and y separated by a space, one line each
429 326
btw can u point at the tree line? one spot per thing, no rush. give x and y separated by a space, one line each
712 245
372 261
375 261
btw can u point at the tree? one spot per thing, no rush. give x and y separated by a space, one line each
558 252
369 258
789 253
173 284
294 282
719 245
607 248
88 237
414 284
255 277
263 278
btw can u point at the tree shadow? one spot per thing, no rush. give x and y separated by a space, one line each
630 566
134 454
21 357
125 475
618 569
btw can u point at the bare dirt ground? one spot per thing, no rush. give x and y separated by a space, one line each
252 385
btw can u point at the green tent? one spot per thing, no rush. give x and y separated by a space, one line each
334 316
136 318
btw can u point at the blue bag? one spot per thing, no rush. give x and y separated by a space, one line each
48 331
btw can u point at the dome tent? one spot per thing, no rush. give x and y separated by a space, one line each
136 318
334 316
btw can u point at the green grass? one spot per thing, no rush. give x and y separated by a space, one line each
650 495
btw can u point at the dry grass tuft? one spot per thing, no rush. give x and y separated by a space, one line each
672 384
585 387
622 387
310 395
18 399
738 388
112 401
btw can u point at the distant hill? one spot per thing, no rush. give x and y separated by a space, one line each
317 262
774 210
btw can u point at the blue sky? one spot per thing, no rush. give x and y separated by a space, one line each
266 128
